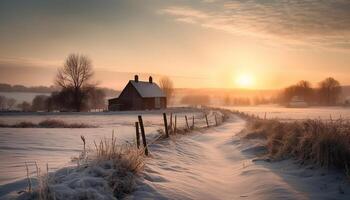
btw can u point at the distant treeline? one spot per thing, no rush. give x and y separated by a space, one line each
328 93
245 101
92 99
228 100
54 99
4 87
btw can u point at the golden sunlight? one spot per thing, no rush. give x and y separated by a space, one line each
244 80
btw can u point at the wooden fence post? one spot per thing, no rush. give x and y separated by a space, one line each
137 134
175 124
143 135
206 119
216 121
193 122
165 125
188 127
265 116
171 122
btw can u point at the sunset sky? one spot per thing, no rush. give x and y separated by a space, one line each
258 44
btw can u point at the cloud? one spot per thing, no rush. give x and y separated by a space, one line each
324 24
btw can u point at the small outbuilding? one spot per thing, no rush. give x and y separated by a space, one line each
139 95
297 102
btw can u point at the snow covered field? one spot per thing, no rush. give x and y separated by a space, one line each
209 164
56 146
284 113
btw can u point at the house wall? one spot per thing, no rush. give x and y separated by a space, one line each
149 103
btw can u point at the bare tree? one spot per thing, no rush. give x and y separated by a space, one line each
75 76
96 98
2 102
10 103
24 106
40 103
305 90
166 84
329 91
302 89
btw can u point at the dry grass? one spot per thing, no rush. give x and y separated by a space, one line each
311 141
127 155
49 123
127 161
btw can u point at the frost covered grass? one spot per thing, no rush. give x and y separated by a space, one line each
49 123
325 143
107 172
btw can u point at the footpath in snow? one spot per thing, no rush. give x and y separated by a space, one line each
216 164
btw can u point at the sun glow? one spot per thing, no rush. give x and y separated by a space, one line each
244 81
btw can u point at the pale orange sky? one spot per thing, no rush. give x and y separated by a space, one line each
199 43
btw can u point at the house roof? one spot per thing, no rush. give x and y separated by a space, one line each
147 89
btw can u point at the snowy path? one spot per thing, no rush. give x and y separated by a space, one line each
209 165
216 165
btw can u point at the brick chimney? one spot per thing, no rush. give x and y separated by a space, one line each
150 80
136 78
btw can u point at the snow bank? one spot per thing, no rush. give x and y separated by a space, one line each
108 174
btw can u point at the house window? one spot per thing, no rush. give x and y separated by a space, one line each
157 102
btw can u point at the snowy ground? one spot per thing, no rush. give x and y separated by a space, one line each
213 164
57 146
284 113
217 164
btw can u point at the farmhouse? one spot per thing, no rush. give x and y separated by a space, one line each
139 95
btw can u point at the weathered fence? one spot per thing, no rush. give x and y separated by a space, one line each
173 128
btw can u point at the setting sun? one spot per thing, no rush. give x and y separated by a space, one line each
244 81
